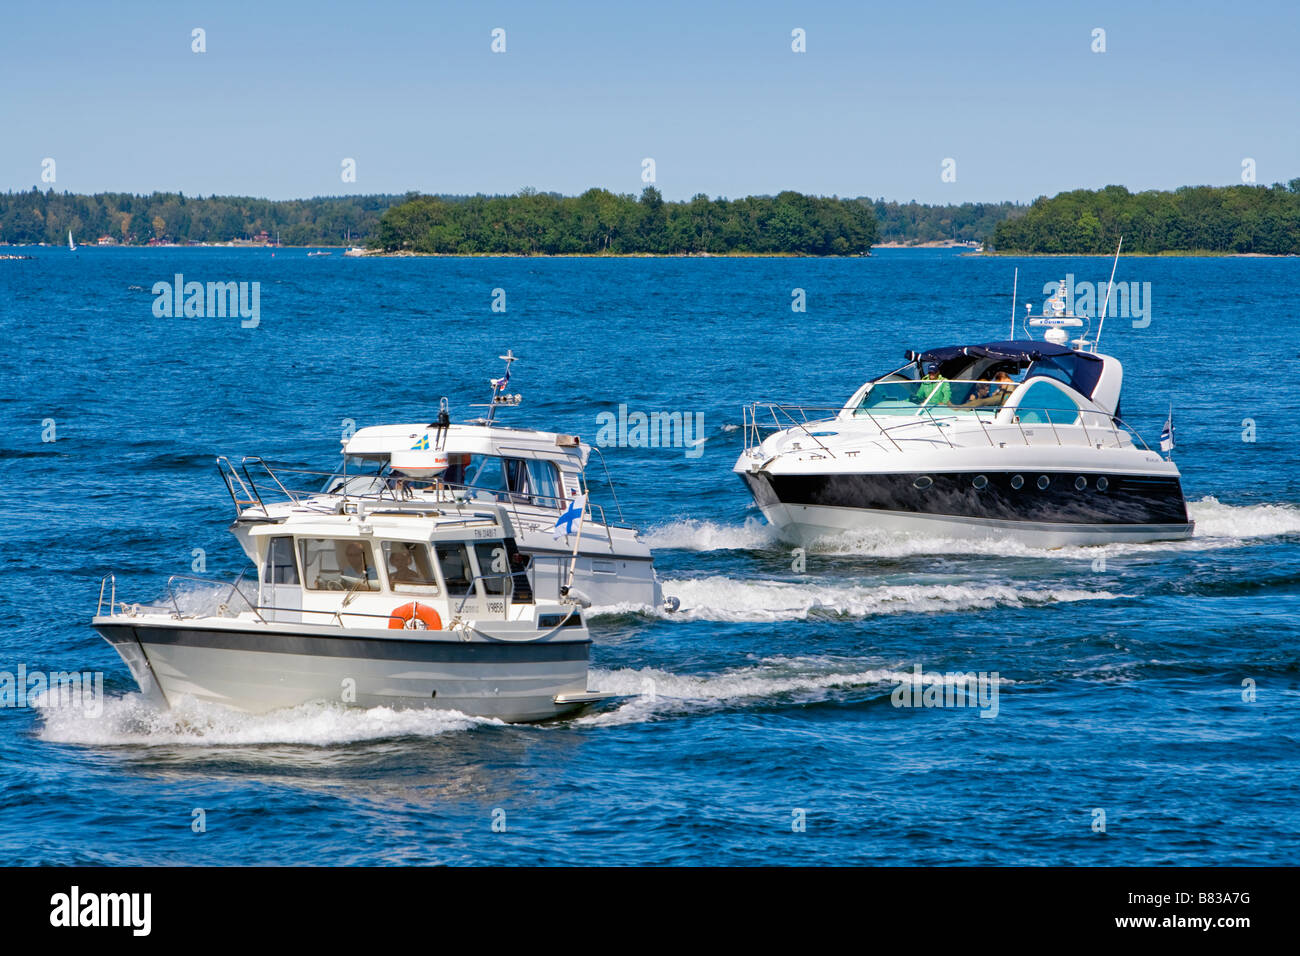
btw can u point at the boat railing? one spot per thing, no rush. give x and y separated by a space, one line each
225 604
323 490
172 607
785 416
108 581
931 422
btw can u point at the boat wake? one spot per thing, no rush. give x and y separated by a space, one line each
721 598
1217 526
690 534
132 721
653 693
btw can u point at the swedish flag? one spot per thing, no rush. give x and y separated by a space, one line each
422 444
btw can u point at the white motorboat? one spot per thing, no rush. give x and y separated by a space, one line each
1017 439
366 605
539 476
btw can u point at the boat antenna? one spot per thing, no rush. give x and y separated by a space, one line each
499 397
1106 305
443 423
1014 282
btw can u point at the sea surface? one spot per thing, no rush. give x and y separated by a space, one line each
1148 695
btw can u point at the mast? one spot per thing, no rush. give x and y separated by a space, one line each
1014 282
1105 305
498 386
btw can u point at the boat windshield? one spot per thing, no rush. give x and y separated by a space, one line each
908 397
356 476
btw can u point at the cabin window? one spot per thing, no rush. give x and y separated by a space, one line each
545 480
485 472
537 482
456 570
1044 404
493 566
410 567
280 565
330 564
1080 372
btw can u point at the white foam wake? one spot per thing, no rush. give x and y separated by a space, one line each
1215 519
132 720
691 534
721 598
652 692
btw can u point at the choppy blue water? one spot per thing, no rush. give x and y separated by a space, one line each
1121 688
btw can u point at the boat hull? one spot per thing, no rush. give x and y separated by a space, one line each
1072 508
271 667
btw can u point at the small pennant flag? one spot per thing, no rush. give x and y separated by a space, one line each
422 444
564 523
1167 433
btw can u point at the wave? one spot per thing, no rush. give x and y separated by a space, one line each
691 534
721 598
653 693
1215 519
133 721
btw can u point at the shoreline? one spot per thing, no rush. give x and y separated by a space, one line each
943 244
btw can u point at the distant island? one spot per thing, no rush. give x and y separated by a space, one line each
1222 220
599 221
1231 220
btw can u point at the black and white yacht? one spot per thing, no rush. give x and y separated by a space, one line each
1017 439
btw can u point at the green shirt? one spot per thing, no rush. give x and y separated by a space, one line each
937 387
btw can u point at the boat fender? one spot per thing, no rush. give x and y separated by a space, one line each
415 617
576 595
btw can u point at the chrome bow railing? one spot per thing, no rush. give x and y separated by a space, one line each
999 425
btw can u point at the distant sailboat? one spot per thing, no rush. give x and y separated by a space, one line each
72 246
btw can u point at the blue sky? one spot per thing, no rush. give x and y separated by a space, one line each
711 91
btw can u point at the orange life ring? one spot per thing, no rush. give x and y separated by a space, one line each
414 616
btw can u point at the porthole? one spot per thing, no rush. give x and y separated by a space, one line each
1043 482
1017 482
1103 483
1080 483
980 482
925 481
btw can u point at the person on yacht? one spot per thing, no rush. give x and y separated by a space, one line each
360 573
934 388
991 393
401 569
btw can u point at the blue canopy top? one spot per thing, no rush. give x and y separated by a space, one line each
1079 370
1025 350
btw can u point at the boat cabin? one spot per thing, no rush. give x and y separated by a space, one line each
361 569
523 466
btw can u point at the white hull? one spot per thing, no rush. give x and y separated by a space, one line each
219 662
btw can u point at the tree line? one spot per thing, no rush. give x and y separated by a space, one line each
1195 218
599 221
1259 219
915 222
35 216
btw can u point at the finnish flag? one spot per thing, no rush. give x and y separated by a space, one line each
1167 433
564 524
